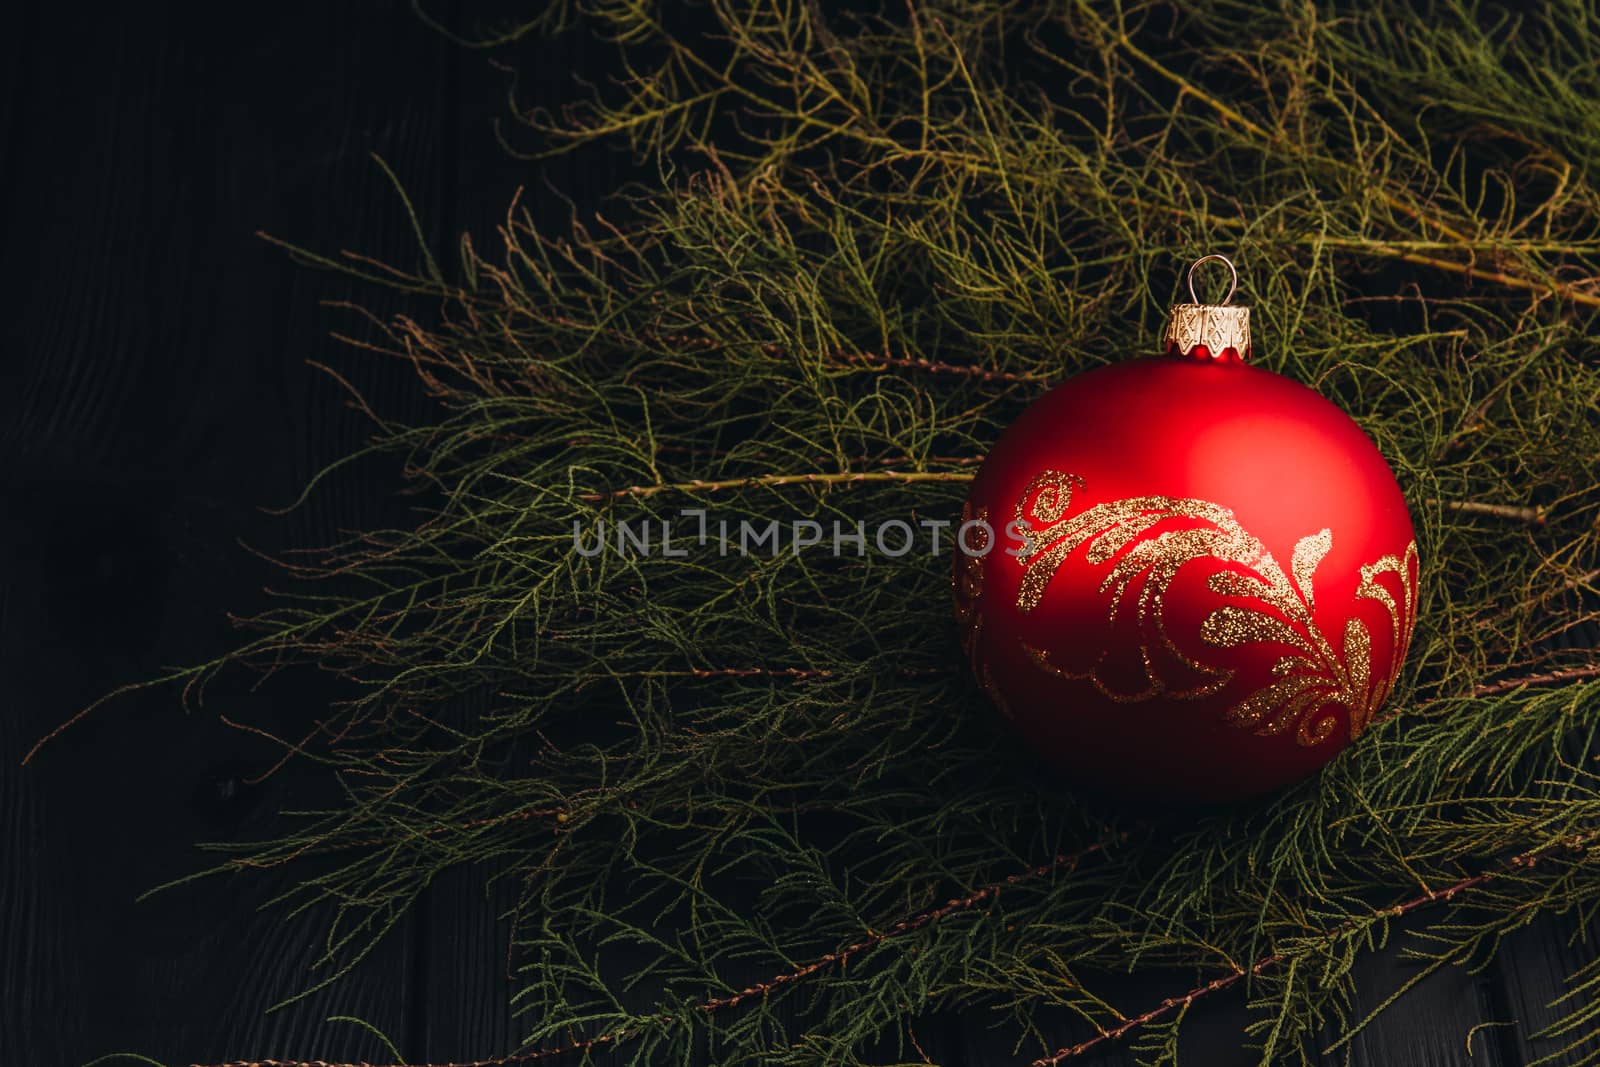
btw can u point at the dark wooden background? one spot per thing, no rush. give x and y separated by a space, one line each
154 392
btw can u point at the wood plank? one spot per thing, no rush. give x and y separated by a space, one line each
1431 1024
114 807
1533 967
160 396
465 977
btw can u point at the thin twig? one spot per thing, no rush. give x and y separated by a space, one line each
933 366
1521 861
1509 685
696 485
983 895
905 926
755 672
1570 292
1533 516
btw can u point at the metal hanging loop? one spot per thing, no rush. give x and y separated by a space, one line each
1233 288
1216 333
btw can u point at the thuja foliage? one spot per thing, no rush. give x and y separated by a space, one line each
750 806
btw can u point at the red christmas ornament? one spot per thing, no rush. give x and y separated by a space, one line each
1186 577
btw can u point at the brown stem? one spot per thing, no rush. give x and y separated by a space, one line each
1571 292
759 672
1064 862
800 674
1521 861
906 926
1516 512
695 452
874 359
696 485
935 367
1507 685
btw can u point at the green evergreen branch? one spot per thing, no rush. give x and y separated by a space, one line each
1520 862
859 248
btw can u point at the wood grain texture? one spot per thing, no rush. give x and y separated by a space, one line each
1533 967
466 984
161 395
115 807
1447 1020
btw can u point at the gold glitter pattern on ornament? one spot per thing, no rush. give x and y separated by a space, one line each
1044 501
968 577
1143 542
1153 688
1308 554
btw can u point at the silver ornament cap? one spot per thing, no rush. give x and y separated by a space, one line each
1215 332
